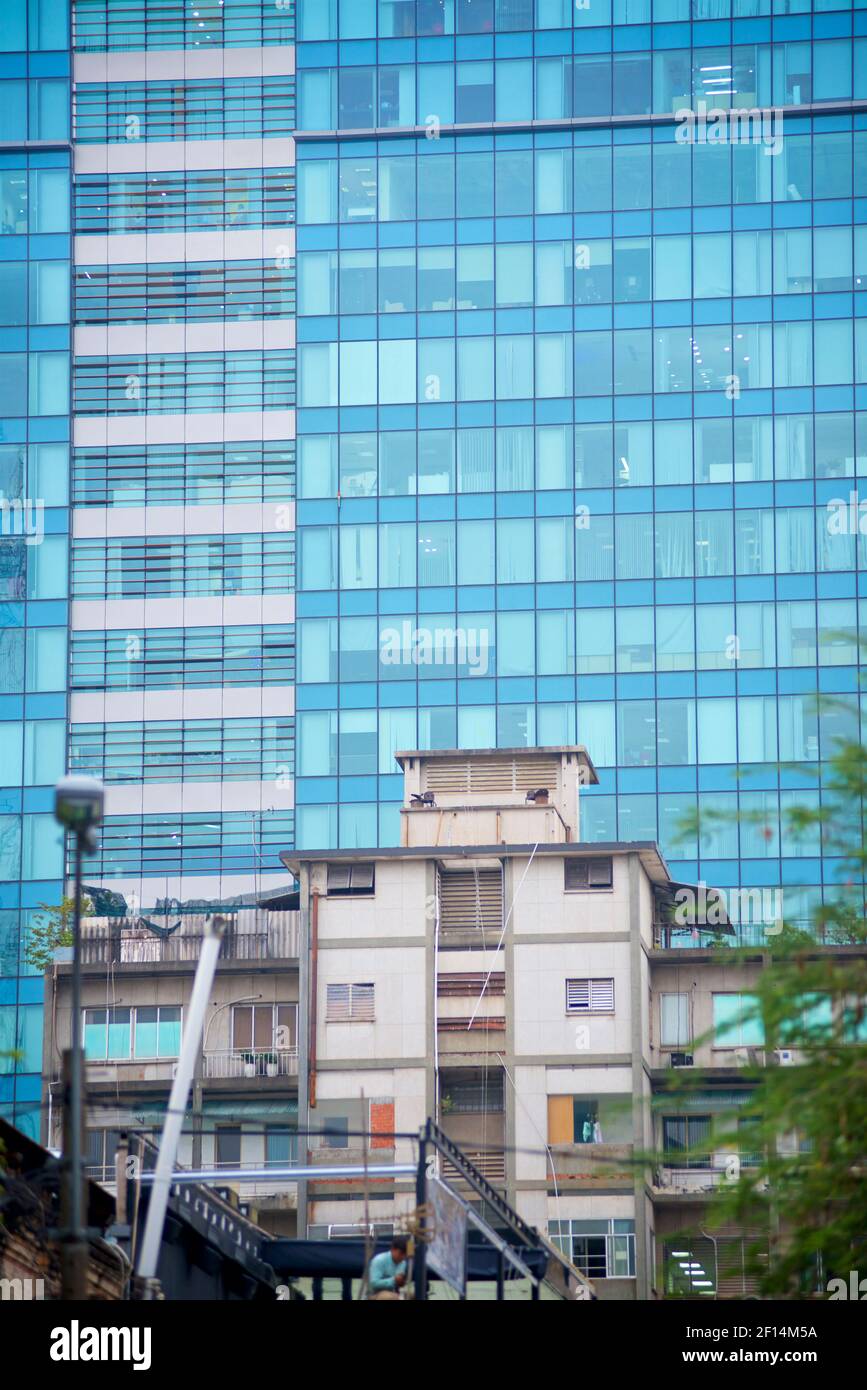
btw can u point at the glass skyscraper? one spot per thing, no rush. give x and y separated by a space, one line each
580 382
568 357
35 188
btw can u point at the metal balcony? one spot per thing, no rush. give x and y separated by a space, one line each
259 1062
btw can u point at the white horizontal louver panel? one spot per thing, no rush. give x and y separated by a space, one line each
454 775
337 1003
470 899
602 996
349 1003
590 996
362 1002
577 995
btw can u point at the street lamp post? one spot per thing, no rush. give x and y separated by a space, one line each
78 806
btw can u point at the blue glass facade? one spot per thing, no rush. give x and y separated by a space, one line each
586 393
572 393
35 252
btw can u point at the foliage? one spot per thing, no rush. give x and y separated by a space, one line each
52 927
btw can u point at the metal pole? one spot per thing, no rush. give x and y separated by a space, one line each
420 1255
74 1255
159 1196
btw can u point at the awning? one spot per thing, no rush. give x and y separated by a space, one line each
344 1259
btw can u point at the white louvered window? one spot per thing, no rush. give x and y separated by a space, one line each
590 996
349 1004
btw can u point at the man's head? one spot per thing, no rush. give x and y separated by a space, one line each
398 1249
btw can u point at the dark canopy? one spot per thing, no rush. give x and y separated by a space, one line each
336 1259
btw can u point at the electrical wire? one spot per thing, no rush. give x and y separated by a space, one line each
506 921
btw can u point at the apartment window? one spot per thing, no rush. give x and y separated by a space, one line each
719 1268
736 1022
281 1146
574 1120
590 996
474 1095
136 1033
350 880
99 1151
685 1141
264 1027
674 1027
587 873
335 1132
228 1146
349 1003
600 1249
750 1146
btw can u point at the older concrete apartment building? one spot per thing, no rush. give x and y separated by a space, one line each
521 985
137 983
527 990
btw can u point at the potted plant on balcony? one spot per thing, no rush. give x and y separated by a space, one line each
249 1064
271 1063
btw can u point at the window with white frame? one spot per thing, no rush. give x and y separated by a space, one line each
674 1025
590 996
600 1249
349 1003
146 1031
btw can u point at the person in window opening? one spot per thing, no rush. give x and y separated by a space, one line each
386 1275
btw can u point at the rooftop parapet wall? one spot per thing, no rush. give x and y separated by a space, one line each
493 795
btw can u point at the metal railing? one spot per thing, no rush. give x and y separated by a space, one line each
252 1064
126 941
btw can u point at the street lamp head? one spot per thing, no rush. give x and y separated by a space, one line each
78 803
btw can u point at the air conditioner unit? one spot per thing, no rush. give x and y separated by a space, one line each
784 1056
681 1059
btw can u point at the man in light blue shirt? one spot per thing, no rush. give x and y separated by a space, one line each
386 1275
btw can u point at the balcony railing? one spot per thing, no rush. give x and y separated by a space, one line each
249 1065
125 941
695 1180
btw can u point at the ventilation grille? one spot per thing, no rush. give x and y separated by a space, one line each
482 1023
457 775
468 984
471 899
590 996
349 1003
